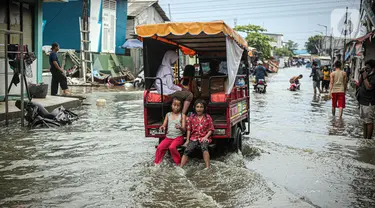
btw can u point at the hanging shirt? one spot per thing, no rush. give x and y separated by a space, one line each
165 72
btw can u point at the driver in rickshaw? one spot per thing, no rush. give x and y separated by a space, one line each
165 73
215 68
188 82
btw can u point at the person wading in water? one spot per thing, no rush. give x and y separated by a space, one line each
337 89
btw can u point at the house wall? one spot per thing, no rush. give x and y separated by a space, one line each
278 39
130 29
148 16
96 25
121 21
32 27
62 24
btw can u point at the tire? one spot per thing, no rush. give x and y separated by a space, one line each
236 141
136 84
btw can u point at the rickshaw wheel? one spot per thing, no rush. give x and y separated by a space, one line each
236 141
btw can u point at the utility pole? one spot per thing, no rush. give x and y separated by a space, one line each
345 32
235 22
331 48
169 8
325 38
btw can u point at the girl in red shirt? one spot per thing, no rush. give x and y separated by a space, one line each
199 130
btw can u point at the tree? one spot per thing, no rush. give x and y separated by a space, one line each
284 51
313 45
291 45
256 39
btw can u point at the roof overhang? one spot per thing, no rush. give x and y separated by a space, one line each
200 37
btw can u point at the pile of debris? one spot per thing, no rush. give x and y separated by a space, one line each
118 75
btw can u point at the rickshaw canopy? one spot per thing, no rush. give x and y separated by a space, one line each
193 37
198 38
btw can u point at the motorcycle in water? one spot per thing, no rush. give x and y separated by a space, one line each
294 86
140 80
260 87
38 116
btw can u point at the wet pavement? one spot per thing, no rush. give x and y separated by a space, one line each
297 155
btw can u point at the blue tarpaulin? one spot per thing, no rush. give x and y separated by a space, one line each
132 43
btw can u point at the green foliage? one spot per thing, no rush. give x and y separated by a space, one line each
284 51
291 45
257 40
313 44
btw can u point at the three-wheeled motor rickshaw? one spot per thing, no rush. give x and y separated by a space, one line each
227 96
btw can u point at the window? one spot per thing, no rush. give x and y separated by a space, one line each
109 26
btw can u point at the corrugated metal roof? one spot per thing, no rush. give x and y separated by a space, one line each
135 7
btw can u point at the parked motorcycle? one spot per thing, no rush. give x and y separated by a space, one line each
139 82
261 86
38 116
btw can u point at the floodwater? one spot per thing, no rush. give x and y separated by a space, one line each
297 155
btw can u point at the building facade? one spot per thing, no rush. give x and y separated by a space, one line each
107 19
278 39
25 16
139 13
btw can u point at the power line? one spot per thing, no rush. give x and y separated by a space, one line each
263 3
218 1
256 7
254 15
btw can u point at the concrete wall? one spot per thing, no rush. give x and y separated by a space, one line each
62 24
278 39
35 41
148 16
96 25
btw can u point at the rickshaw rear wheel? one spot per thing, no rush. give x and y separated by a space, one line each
236 140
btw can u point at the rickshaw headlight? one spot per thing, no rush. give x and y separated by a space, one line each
219 132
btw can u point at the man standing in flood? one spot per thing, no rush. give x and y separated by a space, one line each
58 76
315 77
366 98
337 88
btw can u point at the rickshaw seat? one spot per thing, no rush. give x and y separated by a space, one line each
155 97
218 97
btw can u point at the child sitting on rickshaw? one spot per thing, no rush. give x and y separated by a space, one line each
200 127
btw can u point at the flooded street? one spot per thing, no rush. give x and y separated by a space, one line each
297 155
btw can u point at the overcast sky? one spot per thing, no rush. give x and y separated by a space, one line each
296 19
